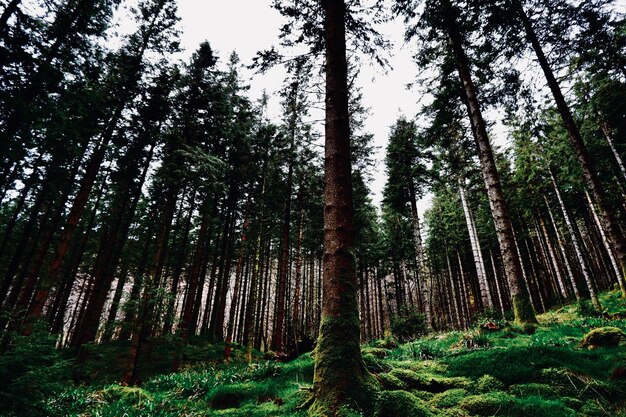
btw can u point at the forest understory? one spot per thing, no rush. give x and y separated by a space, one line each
570 364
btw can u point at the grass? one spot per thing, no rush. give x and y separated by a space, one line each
505 372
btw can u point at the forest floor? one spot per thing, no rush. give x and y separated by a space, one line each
506 371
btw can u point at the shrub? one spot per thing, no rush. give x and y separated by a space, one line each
474 339
408 325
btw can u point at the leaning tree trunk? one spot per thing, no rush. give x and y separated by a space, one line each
607 132
523 309
485 293
560 239
620 278
340 375
609 222
579 254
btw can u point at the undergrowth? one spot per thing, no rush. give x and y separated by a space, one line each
501 371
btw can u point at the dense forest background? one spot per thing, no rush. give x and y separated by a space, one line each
143 198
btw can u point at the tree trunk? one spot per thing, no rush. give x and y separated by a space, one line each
620 278
485 292
522 307
340 376
560 239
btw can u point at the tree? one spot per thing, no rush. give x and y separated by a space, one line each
406 172
340 375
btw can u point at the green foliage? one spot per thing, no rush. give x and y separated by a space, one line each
487 404
474 339
31 370
449 398
408 325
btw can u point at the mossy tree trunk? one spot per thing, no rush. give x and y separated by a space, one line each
340 377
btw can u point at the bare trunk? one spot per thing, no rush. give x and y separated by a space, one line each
485 292
422 268
559 239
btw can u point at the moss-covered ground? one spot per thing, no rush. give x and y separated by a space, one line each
507 371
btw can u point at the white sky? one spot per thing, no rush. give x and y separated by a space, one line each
248 26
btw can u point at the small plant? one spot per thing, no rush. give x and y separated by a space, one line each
474 339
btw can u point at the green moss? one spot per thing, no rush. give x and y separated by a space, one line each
573 403
388 342
340 377
426 382
487 404
391 382
523 309
401 404
535 389
129 395
540 407
450 398
488 383
593 408
232 396
520 364
603 337
379 353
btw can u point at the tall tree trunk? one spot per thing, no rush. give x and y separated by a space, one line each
579 254
340 375
283 270
560 241
238 272
295 322
553 259
522 307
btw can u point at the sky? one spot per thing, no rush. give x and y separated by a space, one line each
248 26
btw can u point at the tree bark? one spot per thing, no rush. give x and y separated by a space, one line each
618 273
340 375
